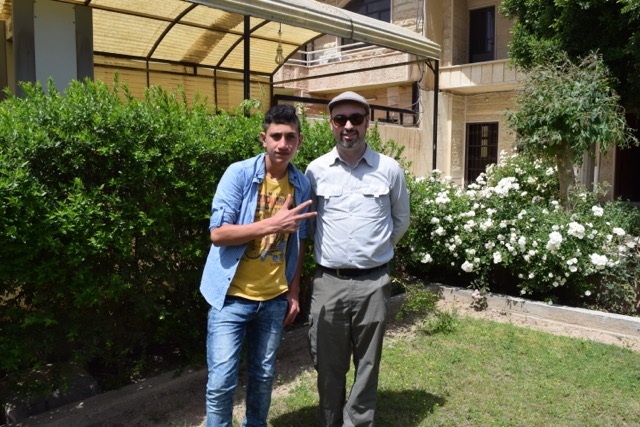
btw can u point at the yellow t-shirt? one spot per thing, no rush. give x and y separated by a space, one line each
261 272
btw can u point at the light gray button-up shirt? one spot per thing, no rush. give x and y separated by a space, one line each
362 212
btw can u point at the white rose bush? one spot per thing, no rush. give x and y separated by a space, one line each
508 233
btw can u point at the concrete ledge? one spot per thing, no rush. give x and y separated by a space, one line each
615 324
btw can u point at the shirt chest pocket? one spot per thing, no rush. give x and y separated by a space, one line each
363 201
329 196
329 191
374 199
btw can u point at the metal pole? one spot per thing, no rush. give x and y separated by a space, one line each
436 92
247 58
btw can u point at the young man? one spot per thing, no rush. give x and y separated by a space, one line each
363 210
252 275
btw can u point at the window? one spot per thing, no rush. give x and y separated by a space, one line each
378 9
482 148
482 30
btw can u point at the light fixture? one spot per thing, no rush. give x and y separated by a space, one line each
279 55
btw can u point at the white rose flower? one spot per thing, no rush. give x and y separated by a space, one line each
618 231
555 239
467 267
576 230
599 261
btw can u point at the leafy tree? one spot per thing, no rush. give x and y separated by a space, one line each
545 28
564 109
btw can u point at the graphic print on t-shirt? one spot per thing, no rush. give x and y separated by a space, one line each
261 272
270 248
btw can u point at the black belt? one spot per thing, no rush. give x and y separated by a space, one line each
351 272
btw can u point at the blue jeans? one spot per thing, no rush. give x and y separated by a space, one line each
261 322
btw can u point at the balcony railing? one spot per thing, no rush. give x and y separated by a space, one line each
379 113
333 54
479 77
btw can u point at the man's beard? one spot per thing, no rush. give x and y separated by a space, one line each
350 145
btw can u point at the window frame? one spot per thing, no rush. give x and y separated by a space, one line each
484 21
351 6
487 143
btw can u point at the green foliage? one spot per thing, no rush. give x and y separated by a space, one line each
508 233
565 110
104 208
563 102
542 29
318 140
104 224
441 322
418 300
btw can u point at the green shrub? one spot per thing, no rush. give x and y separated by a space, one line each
508 233
104 216
419 301
441 322
104 225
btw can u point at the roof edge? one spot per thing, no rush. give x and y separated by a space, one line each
331 20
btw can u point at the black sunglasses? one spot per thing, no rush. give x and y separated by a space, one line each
355 119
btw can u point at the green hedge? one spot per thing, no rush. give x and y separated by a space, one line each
104 210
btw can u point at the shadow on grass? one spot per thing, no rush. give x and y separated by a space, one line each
395 408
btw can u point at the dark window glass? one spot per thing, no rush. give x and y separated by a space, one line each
482 29
378 9
482 148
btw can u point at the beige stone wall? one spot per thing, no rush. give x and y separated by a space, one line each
503 26
454 15
411 140
455 111
454 163
491 107
446 38
459 33
227 93
435 22
408 14
503 34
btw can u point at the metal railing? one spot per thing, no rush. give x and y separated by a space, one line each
380 113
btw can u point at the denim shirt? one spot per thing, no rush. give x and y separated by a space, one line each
235 202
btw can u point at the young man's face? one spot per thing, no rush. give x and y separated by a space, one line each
349 123
281 142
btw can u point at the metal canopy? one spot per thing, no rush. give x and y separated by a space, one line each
209 33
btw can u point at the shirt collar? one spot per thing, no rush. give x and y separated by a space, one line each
261 170
367 155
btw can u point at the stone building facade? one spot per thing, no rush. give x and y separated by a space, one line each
476 85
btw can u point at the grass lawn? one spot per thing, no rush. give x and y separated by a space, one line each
484 373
